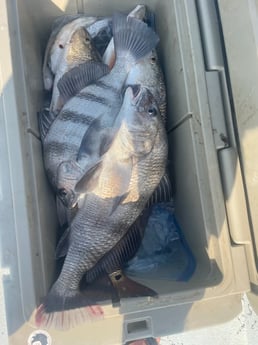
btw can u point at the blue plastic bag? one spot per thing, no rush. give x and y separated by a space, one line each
164 252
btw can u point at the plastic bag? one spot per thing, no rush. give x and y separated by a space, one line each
163 250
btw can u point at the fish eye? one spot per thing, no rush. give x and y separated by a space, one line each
61 46
118 277
62 192
87 39
67 198
152 111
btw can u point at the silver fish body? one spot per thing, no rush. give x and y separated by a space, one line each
117 192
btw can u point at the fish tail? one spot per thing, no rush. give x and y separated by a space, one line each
64 312
128 288
67 319
132 36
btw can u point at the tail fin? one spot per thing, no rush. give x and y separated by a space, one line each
66 311
109 57
132 36
67 319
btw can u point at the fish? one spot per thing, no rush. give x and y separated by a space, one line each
100 100
163 193
147 71
118 189
69 45
113 262
62 30
78 50
107 276
109 268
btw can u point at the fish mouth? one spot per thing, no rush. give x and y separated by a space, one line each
136 89
133 89
133 95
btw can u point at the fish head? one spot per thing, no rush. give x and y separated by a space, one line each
144 109
81 47
69 52
67 176
60 39
142 119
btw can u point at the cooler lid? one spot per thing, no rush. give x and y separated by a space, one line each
229 32
239 21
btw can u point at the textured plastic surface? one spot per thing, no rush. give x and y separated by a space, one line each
28 220
234 195
240 26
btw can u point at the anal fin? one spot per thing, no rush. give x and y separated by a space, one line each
63 244
163 192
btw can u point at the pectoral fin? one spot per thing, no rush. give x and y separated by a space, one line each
63 244
120 177
88 180
96 140
77 78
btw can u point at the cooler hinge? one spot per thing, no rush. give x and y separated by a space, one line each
221 118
